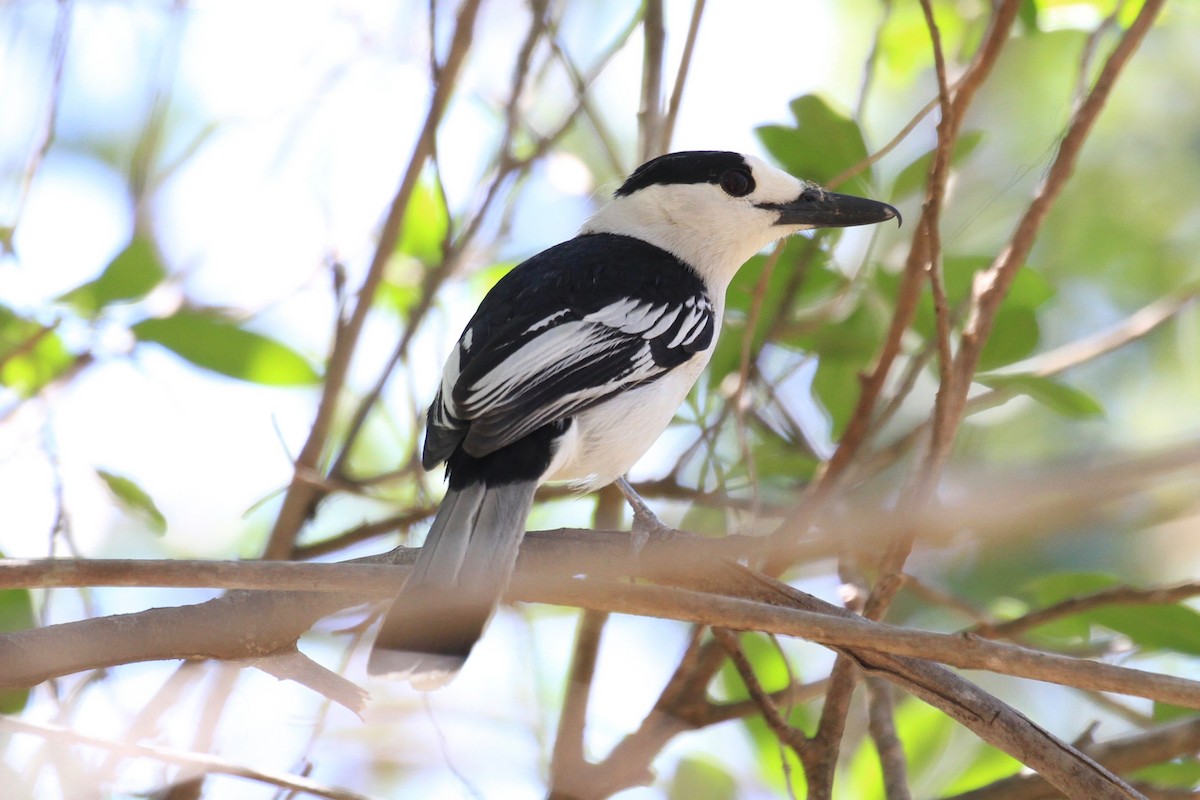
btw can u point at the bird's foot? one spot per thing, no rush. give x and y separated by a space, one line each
646 524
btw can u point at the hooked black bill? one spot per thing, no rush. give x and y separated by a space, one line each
822 209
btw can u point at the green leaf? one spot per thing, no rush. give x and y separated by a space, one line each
844 349
131 275
213 342
823 144
1016 330
1165 712
31 354
1054 587
135 500
912 178
1027 14
426 222
1184 773
16 614
701 779
1167 626
1058 397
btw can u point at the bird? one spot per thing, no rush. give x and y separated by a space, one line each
572 365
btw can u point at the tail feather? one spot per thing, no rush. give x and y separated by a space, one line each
459 576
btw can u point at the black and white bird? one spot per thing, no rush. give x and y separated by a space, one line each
573 365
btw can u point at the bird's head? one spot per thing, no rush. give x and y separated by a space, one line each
716 209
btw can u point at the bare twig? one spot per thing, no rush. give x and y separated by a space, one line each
685 62
296 666
882 725
301 495
1116 596
991 286
783 730
569 767
650 115
195 763
45 137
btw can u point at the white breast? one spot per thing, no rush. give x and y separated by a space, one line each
606 440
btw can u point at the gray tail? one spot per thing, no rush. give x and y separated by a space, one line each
459 575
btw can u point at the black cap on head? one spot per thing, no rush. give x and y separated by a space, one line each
692 166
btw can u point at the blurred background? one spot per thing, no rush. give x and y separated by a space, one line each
192 192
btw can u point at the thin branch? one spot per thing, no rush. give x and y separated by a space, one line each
569 767
45 137
685 62
921 255
1088 348
882 725
783 730
453 247
939 174
991 286
297 667
864 87
195 763
650 115
891 145
1054 362
1116 596
302 495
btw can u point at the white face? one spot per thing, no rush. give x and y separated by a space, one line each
702 223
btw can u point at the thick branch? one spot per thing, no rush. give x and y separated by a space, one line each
248 625
1130 752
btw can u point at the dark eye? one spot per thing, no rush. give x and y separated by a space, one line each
737 182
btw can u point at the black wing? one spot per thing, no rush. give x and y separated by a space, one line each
573 325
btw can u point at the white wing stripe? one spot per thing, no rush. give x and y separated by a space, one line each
688 330
555 351
664 323
548 321
629 316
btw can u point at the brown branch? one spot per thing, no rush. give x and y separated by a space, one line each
784 731
267 623
989 718
992 285
939 174
860 423
454 246
922 261
1125 754
650 115
685 62
256 624
1116 596
569 767
302 494
879 154
882 726
1088 348
297 667
1054 362
681 706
